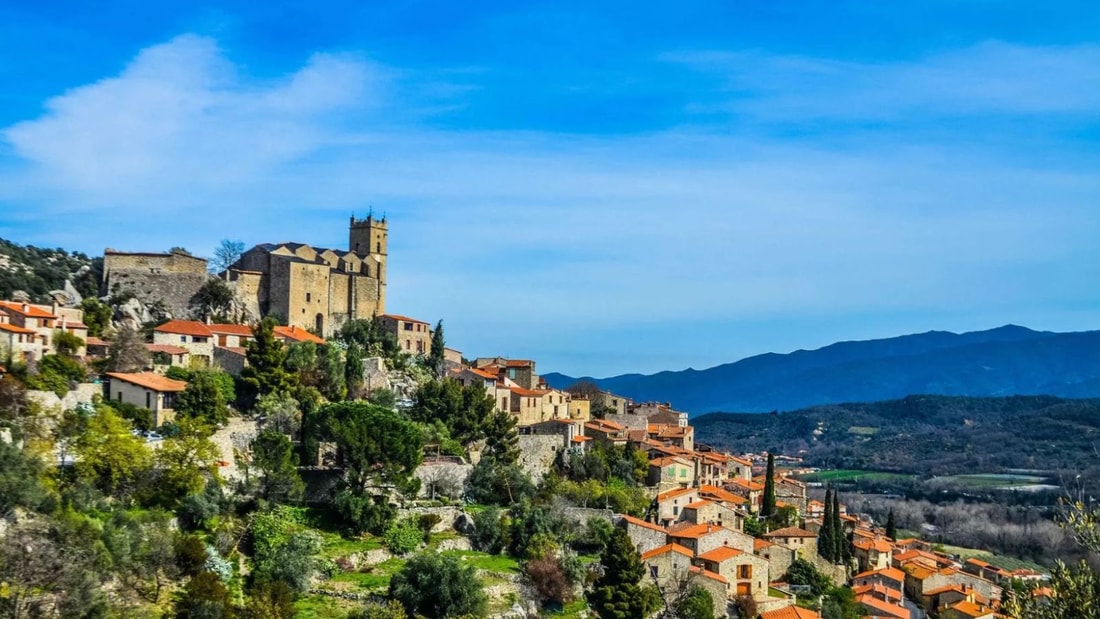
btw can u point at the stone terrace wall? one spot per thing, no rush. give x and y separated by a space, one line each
537 454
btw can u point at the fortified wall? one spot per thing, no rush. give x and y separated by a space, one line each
171 278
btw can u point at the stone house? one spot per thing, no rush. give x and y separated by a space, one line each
607 432
671 471
646 536
702 538
147 390
746 573
872 554
875 607
23 344
312 288
43 321
519 371
192 335
165 355
671 567
779 558
799 540
170 279
230 336
890 577
672 502
751 491
413 336
705 511
791 612
682 437
468 377
579 408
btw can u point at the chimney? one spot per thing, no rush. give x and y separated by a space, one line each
26 308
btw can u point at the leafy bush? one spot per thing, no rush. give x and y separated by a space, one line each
216 564
427 522
549 578
438 586
403 536
489 534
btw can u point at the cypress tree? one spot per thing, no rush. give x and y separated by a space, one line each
825 544
437 354
617 593
891 527
839 539
767 510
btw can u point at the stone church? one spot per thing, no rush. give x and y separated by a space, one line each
315 288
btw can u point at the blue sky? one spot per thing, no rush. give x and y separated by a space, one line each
633 187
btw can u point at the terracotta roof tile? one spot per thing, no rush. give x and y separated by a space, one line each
789 532
404 318
226 329
656 552
149 380
166 348
26 309
10 328
297 334
642 523
720 554
185 327
791 612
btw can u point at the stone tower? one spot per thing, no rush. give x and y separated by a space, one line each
369 238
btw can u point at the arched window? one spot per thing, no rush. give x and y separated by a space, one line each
320 323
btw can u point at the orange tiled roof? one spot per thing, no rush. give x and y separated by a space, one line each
709 574
718 494
604 424
790 532
185 327
95 341
166 348
528 393
10 328
404 318
791 612
720 554
747 485
227 329
298 335
149 380
656 552
581 439
892 573
25 309
878 545
760 544
698 504
698 530
878 606
970 609
880 589
672 494
642 523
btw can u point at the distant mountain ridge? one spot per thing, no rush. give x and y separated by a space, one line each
1008 360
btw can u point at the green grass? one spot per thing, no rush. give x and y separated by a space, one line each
321 607
992 480
1008 563
336 545
853 475
486 561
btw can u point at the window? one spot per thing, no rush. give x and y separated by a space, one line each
512 373
744 571
309 297
183 338
408 326
148 400
675 511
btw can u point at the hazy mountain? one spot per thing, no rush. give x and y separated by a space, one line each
1009 360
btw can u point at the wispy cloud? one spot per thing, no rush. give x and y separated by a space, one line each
519 237
990 78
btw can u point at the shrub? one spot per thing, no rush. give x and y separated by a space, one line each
489 533
427 522
438 586
549 578
403 536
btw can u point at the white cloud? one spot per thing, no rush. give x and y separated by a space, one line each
518 237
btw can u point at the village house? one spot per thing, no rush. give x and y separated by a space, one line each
791 612
799 540
670 472
147 390
872 554
192 335
644 535
519 371
751 491
702 538
43 321
230 336
890 577
294 333
671 567
413 336
746 573
881 609
682 437
24 345
607 432
165 355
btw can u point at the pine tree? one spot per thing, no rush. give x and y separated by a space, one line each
825 544
617 593
264 373
438 351
767 510
891 526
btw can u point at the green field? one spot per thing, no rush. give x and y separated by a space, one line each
853 475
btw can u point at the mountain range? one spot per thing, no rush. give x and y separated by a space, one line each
1008 360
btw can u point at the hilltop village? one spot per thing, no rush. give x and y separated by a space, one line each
304 400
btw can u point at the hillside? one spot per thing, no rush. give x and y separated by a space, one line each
37 271
1009 360
923 435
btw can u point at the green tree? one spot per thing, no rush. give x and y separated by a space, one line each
264 373
203 399
67 344
696 604
109 456
273 454
185 461
391 609
464 410
767 508
840 538
380 449
20 479
891 526
501 438
436 358
403 536
825 545
204 597
353 372
269 600
802 572
489 534
492 483
97 316
214 300
617 593
439 586
333 384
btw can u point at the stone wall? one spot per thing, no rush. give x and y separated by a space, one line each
838 574
448 515
49 401
537 454
171 279
581 515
